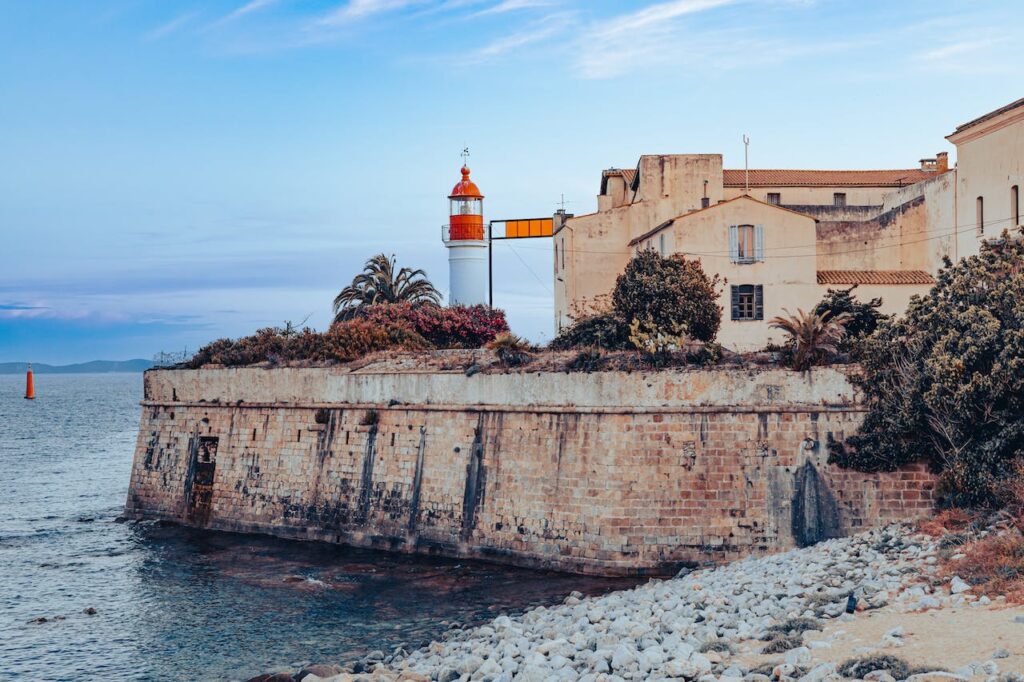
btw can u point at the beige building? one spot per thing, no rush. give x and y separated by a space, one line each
989 175
782 238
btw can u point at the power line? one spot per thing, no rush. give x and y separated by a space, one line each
542 283
726 254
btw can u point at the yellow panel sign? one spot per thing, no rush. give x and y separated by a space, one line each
525 229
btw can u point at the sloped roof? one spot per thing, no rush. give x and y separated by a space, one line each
991 114
874 277
655 230
827 178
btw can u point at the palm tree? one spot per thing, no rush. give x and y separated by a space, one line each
814 336
378 283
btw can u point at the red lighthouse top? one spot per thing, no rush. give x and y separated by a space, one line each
465 188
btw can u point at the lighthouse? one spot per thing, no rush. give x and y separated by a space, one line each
466 244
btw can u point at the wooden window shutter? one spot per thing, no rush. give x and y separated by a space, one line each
759 302
734 245
735 296
759 242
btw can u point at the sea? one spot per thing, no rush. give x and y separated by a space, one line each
85 595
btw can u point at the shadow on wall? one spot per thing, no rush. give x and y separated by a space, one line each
815 511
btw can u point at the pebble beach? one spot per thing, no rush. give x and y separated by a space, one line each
799 615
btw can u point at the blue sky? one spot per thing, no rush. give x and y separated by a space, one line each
177 171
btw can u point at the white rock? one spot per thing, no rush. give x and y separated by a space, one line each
800 656
957 585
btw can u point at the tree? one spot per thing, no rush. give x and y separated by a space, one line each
945 383
379 283
668 296
813 337
864 318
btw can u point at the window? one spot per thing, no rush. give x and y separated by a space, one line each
705 202
661 245
467 207
563 253
556 256
1015 205
980 214
746 243
747 302
839 199
774 198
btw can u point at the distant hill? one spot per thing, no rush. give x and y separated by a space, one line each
94 367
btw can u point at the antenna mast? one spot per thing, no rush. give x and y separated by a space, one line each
746 164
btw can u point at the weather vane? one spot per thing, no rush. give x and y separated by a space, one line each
465 156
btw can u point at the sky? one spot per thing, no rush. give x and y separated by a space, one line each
176 171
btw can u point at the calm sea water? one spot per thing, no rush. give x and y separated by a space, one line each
178 604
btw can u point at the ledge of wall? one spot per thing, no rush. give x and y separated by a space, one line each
754 387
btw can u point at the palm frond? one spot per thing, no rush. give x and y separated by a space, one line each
378 283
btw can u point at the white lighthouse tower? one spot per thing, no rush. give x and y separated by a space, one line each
467 247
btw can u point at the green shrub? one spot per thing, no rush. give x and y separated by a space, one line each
945 383
588 360
668 295
862 318
604 330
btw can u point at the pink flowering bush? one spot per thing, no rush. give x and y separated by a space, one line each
452 327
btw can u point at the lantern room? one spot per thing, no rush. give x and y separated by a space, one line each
467 210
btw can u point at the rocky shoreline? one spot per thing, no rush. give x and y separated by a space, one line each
755 620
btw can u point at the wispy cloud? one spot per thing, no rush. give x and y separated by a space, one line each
514 5
354 10
954 50
535 32
246 9
615 46
172 26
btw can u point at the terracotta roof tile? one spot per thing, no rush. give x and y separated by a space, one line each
827 178
874 277
627 174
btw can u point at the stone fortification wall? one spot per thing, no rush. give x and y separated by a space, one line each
607 472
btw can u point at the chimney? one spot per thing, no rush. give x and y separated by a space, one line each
942 162
929 164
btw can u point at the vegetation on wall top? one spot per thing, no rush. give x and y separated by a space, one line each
658 305
945 383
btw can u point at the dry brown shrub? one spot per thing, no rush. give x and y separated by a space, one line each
947 521
994 565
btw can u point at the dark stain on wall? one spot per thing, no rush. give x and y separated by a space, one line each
474 480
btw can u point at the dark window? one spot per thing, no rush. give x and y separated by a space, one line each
774 198
747 302
1015 205
839 199
705 202
980 211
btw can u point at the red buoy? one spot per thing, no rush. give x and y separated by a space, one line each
30 385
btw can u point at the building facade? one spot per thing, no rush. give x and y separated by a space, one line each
782 238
